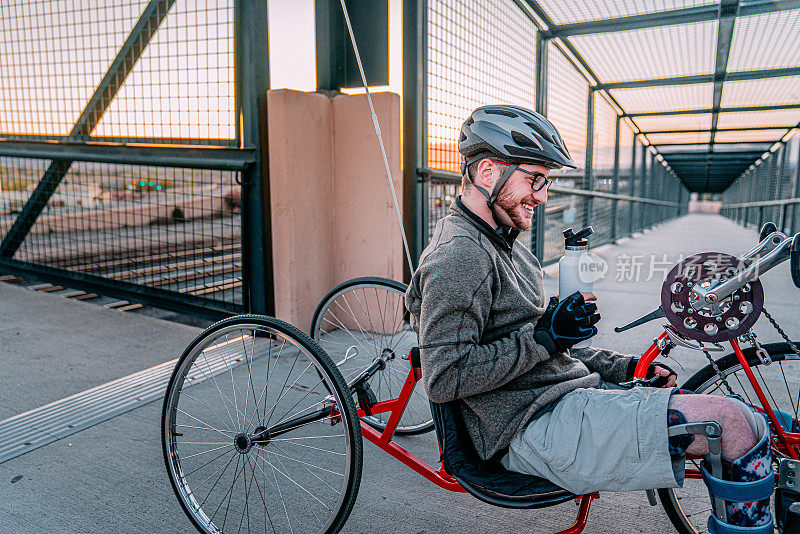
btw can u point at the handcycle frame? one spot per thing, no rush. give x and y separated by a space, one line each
440 477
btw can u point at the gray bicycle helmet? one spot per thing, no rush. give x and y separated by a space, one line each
513 134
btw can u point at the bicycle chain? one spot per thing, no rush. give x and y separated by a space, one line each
719 373
782 333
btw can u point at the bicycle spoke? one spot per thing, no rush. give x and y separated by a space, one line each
223 432
222 473
199 421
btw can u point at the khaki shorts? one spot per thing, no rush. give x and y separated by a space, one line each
600 439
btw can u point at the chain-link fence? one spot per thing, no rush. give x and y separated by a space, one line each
769 191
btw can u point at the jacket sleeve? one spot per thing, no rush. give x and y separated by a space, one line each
452 298
612 366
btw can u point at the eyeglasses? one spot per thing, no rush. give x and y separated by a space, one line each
538 180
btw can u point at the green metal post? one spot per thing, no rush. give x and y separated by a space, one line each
541 107
588 171
615 186
251 78
415 187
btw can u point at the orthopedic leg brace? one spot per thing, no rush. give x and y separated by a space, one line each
746 483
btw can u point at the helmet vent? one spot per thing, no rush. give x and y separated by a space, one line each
462 138
503 112
523 140
541 131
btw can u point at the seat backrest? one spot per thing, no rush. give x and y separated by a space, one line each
488 480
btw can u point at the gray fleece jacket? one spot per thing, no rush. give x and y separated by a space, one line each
474 301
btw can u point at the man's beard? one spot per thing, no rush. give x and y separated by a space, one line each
511 209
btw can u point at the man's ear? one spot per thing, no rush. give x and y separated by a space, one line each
486 177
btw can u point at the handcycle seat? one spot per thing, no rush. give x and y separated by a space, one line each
487 480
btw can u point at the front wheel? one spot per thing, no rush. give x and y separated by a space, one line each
689 508
260 432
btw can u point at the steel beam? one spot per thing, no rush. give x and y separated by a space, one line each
668 18
632 185
149 21
703 130
227 159
615 185
251 79
415 186
711 110
795 193
728 9
702 78
588 170
150 296
541 107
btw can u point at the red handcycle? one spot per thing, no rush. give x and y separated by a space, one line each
262 425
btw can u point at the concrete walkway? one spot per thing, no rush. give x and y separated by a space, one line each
111 477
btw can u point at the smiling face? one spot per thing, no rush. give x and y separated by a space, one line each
515 203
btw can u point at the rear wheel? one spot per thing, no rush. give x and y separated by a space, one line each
689 507
358 321
259 431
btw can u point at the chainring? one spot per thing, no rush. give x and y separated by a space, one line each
722 321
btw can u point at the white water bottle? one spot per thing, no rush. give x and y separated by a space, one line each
569 275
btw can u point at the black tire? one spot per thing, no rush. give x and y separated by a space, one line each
688 508
317 461
344 324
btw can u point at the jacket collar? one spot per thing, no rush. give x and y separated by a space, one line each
503 235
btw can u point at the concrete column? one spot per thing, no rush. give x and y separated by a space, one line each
332 212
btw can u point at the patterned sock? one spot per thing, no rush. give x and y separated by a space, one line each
679 443
754 465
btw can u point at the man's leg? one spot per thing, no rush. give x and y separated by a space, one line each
746 452
734 417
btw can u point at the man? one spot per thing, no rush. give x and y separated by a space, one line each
489 342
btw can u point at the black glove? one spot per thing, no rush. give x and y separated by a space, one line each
566 323
658 382
661 381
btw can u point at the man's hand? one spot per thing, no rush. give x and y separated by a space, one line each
667 373
566 323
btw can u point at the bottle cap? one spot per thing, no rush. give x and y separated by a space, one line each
574 241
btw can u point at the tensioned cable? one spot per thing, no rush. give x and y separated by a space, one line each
380 139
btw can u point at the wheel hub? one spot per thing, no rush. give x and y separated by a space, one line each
242 443
719 321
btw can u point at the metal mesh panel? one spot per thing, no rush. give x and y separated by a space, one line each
698 121
624 181
567 109
666 98
605 119
567 103
46 74
562 12
167 228
55 55
768 92
182 87
750 135
561 211
478 53
755 119
442 194
679 138
765 41
644 51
